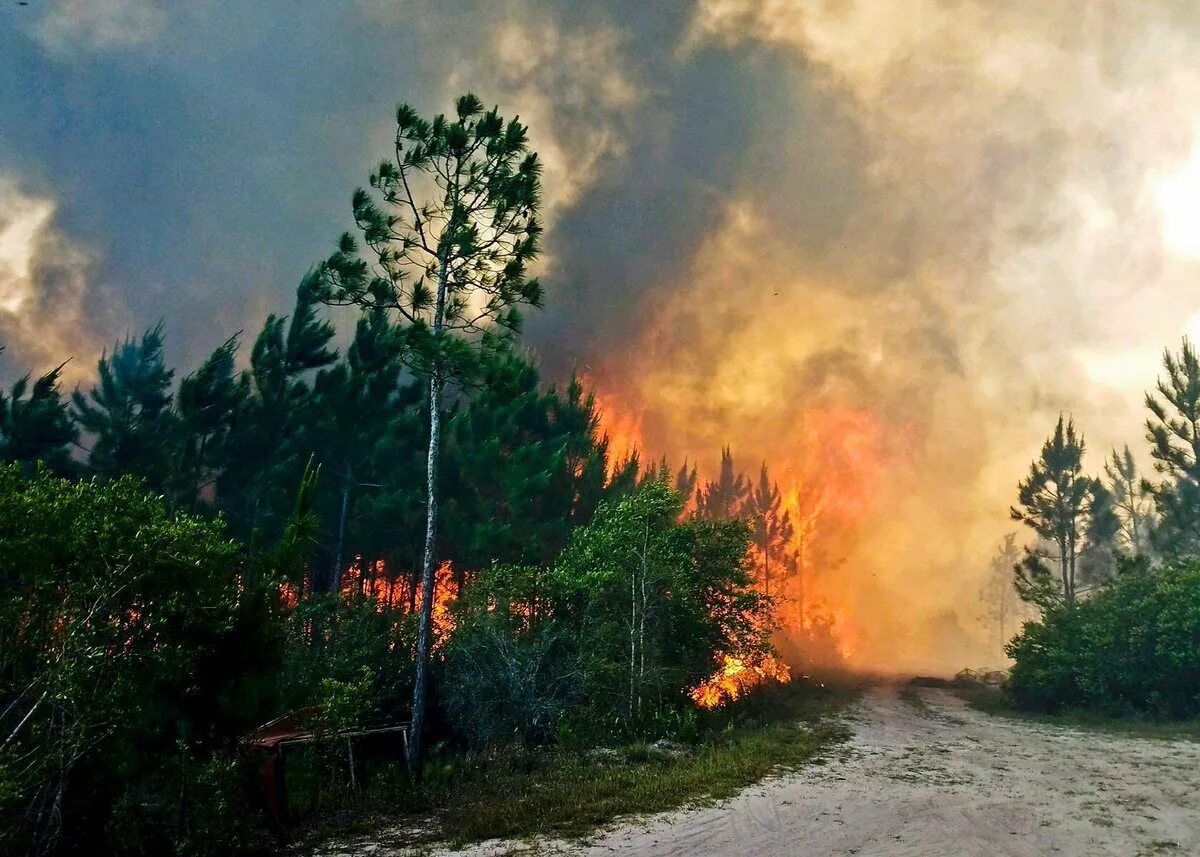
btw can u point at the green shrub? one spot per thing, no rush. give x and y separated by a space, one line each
128 637
1132 648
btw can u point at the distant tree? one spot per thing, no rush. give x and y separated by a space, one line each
725 498
128 413
449 232
277 403
206 409
998 591
685 482
35 424
1133 500
354 400
771 528
1173 430
1069 511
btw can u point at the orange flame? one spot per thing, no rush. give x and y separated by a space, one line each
392 592
736 678
621 427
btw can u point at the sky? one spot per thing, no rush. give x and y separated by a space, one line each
950 220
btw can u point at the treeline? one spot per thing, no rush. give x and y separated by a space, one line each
1113 564
355 534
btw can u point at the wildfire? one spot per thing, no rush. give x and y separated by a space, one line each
736 678
393 592
622 427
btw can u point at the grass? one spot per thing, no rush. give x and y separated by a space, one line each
995 702
567 794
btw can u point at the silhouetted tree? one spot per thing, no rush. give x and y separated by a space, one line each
1173 430
35 424
128 413
771 528
725 498
1132 500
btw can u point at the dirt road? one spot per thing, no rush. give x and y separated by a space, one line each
926 775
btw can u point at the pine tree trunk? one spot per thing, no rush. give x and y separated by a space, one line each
425 622
339 562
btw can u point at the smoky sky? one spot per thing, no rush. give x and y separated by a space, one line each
206 156
939 224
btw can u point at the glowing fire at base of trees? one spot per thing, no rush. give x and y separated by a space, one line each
736 678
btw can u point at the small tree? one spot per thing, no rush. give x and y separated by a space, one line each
771 528
998 592
1173 430
1132 500
128 413
725 498
1069 512
449 230
35 424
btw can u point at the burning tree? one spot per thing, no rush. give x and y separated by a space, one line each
772 533
449 230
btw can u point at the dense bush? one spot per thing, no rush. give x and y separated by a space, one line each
1134 647
128 643
634 613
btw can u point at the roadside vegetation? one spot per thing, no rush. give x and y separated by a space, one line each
1113 571
566 792
995 701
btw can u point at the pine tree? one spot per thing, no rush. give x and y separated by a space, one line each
998 592
128 413
1132 498
772 532
35 424
452 263
277 403
1173 430
685 483
726 498
206 408
353 401
1071 514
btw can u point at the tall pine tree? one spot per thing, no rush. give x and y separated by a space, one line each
452 262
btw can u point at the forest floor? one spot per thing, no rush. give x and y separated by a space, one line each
925 773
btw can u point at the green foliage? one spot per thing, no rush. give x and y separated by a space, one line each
502 686
267 448
653 601
35 424
450 227
1072 515
1132 647
121 645
128 413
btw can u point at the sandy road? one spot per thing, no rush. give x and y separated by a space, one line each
926 775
